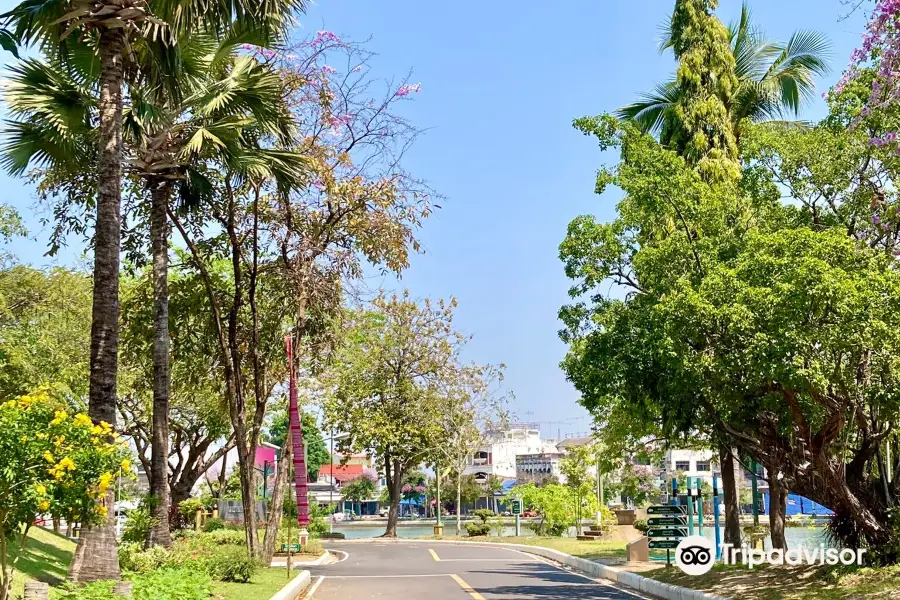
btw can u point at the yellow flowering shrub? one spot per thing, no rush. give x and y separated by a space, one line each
53 463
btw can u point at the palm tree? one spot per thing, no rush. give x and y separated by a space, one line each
108 26
170 141
775 79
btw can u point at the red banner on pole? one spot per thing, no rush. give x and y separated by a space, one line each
301 484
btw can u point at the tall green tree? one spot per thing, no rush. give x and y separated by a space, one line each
110 27
774 79
388 374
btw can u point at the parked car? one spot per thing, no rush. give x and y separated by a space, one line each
529 514
383 512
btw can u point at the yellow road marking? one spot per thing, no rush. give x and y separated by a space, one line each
466 588
434 555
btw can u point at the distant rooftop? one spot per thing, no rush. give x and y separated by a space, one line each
575 442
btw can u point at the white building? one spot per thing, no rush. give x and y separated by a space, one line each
498 456
539 468
693 463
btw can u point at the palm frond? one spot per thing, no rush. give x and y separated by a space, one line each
649 112
796 65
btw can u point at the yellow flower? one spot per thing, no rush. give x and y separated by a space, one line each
48 456
105 480
59 418
59 440
126 465
24 438
42 436
66 463
9 404
82 420
25 401
101 510
44 505
41 489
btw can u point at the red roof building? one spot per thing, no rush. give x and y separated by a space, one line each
342 473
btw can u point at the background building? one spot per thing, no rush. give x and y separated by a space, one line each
498 456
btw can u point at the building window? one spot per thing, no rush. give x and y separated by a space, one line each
682 465
703 465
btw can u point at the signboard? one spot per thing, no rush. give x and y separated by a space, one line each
667 510
663 544
667 533
517 507
662 521
290 548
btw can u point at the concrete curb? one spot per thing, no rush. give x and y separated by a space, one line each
303 563
294 588
615 574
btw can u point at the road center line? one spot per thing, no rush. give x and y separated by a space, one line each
434 555
507 560
467 588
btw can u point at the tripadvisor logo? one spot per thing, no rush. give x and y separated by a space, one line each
695 555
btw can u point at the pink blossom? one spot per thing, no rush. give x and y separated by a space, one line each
405 90
323 37
329 70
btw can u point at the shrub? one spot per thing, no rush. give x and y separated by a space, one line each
232 564
313 547
98 590
171 584
133 557
185 534
188 508
213 525
138 523
498 525
642 525
222 537
478 529
484 514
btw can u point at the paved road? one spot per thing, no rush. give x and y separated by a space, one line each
426 571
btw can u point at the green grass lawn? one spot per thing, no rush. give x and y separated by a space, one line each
263 585
790 583
46 557
605 551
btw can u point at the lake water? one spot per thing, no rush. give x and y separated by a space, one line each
797 537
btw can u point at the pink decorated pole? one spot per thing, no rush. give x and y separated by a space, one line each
301 485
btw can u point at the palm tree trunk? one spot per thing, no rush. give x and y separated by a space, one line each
159 455
96 557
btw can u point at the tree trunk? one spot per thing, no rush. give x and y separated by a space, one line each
395 487
55 523
458 504
273 520
248 497
729 491
96 557
159 457
777 510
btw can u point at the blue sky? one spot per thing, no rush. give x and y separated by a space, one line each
501 83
